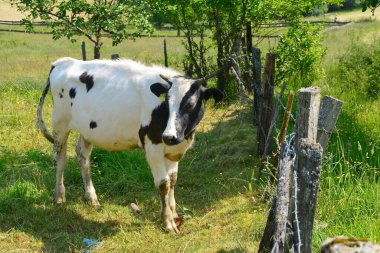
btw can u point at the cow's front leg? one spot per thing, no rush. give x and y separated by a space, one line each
83 150
166 211
158 165
173 170
60 158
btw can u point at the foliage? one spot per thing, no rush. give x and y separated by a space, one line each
345 5
299 55
227 22
95 20
190 17
359 68
370 4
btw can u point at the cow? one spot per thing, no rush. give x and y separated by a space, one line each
120 105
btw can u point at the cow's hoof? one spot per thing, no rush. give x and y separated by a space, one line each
171 228
60 196
93 201
60 200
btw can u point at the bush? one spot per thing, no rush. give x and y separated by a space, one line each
359 69
299 55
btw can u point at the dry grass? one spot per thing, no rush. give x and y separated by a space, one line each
9 13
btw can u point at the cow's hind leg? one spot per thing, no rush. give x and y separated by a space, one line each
60 159
156 160
83 150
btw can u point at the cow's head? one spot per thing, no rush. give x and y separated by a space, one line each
186 99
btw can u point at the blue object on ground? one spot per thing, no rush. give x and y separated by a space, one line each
91 244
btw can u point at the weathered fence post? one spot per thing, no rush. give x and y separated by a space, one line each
303 181
308 169
84 51
256 70
165 54
308 112
266 114
275 229
328 116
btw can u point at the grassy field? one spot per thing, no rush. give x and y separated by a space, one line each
211 191
212 186
221 215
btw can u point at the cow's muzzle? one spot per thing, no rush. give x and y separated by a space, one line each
170 139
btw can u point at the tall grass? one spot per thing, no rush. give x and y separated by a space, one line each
349 199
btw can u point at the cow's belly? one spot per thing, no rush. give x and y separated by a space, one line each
111 123
108 132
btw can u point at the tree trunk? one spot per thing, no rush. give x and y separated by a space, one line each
221 77
257 96
248 35
97 47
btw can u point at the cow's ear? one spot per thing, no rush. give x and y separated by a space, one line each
216 94
159 88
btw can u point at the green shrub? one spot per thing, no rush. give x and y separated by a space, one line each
359 69
299 55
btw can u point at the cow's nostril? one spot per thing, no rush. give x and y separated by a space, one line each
170 139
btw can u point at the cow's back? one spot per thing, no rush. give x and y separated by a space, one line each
106 101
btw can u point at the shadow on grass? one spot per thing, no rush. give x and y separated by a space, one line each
218 167
26 205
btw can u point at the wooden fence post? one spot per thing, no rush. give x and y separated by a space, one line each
308 169
308 112
275 229
303 181
165 54
84 51
328 116
256 70
267 105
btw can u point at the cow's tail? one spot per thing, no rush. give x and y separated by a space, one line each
40 121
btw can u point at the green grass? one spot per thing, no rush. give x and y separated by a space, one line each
211 190
349 195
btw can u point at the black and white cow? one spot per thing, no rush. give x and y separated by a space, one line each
116 105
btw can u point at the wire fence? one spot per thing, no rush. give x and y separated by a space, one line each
290 222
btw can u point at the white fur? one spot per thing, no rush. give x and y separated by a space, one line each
176 93
120 101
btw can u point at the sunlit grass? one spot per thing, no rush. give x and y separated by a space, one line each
211 190
213 178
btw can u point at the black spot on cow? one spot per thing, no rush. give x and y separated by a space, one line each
72 93
63 90
157 125
93 125
88 80
60 95
71 104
